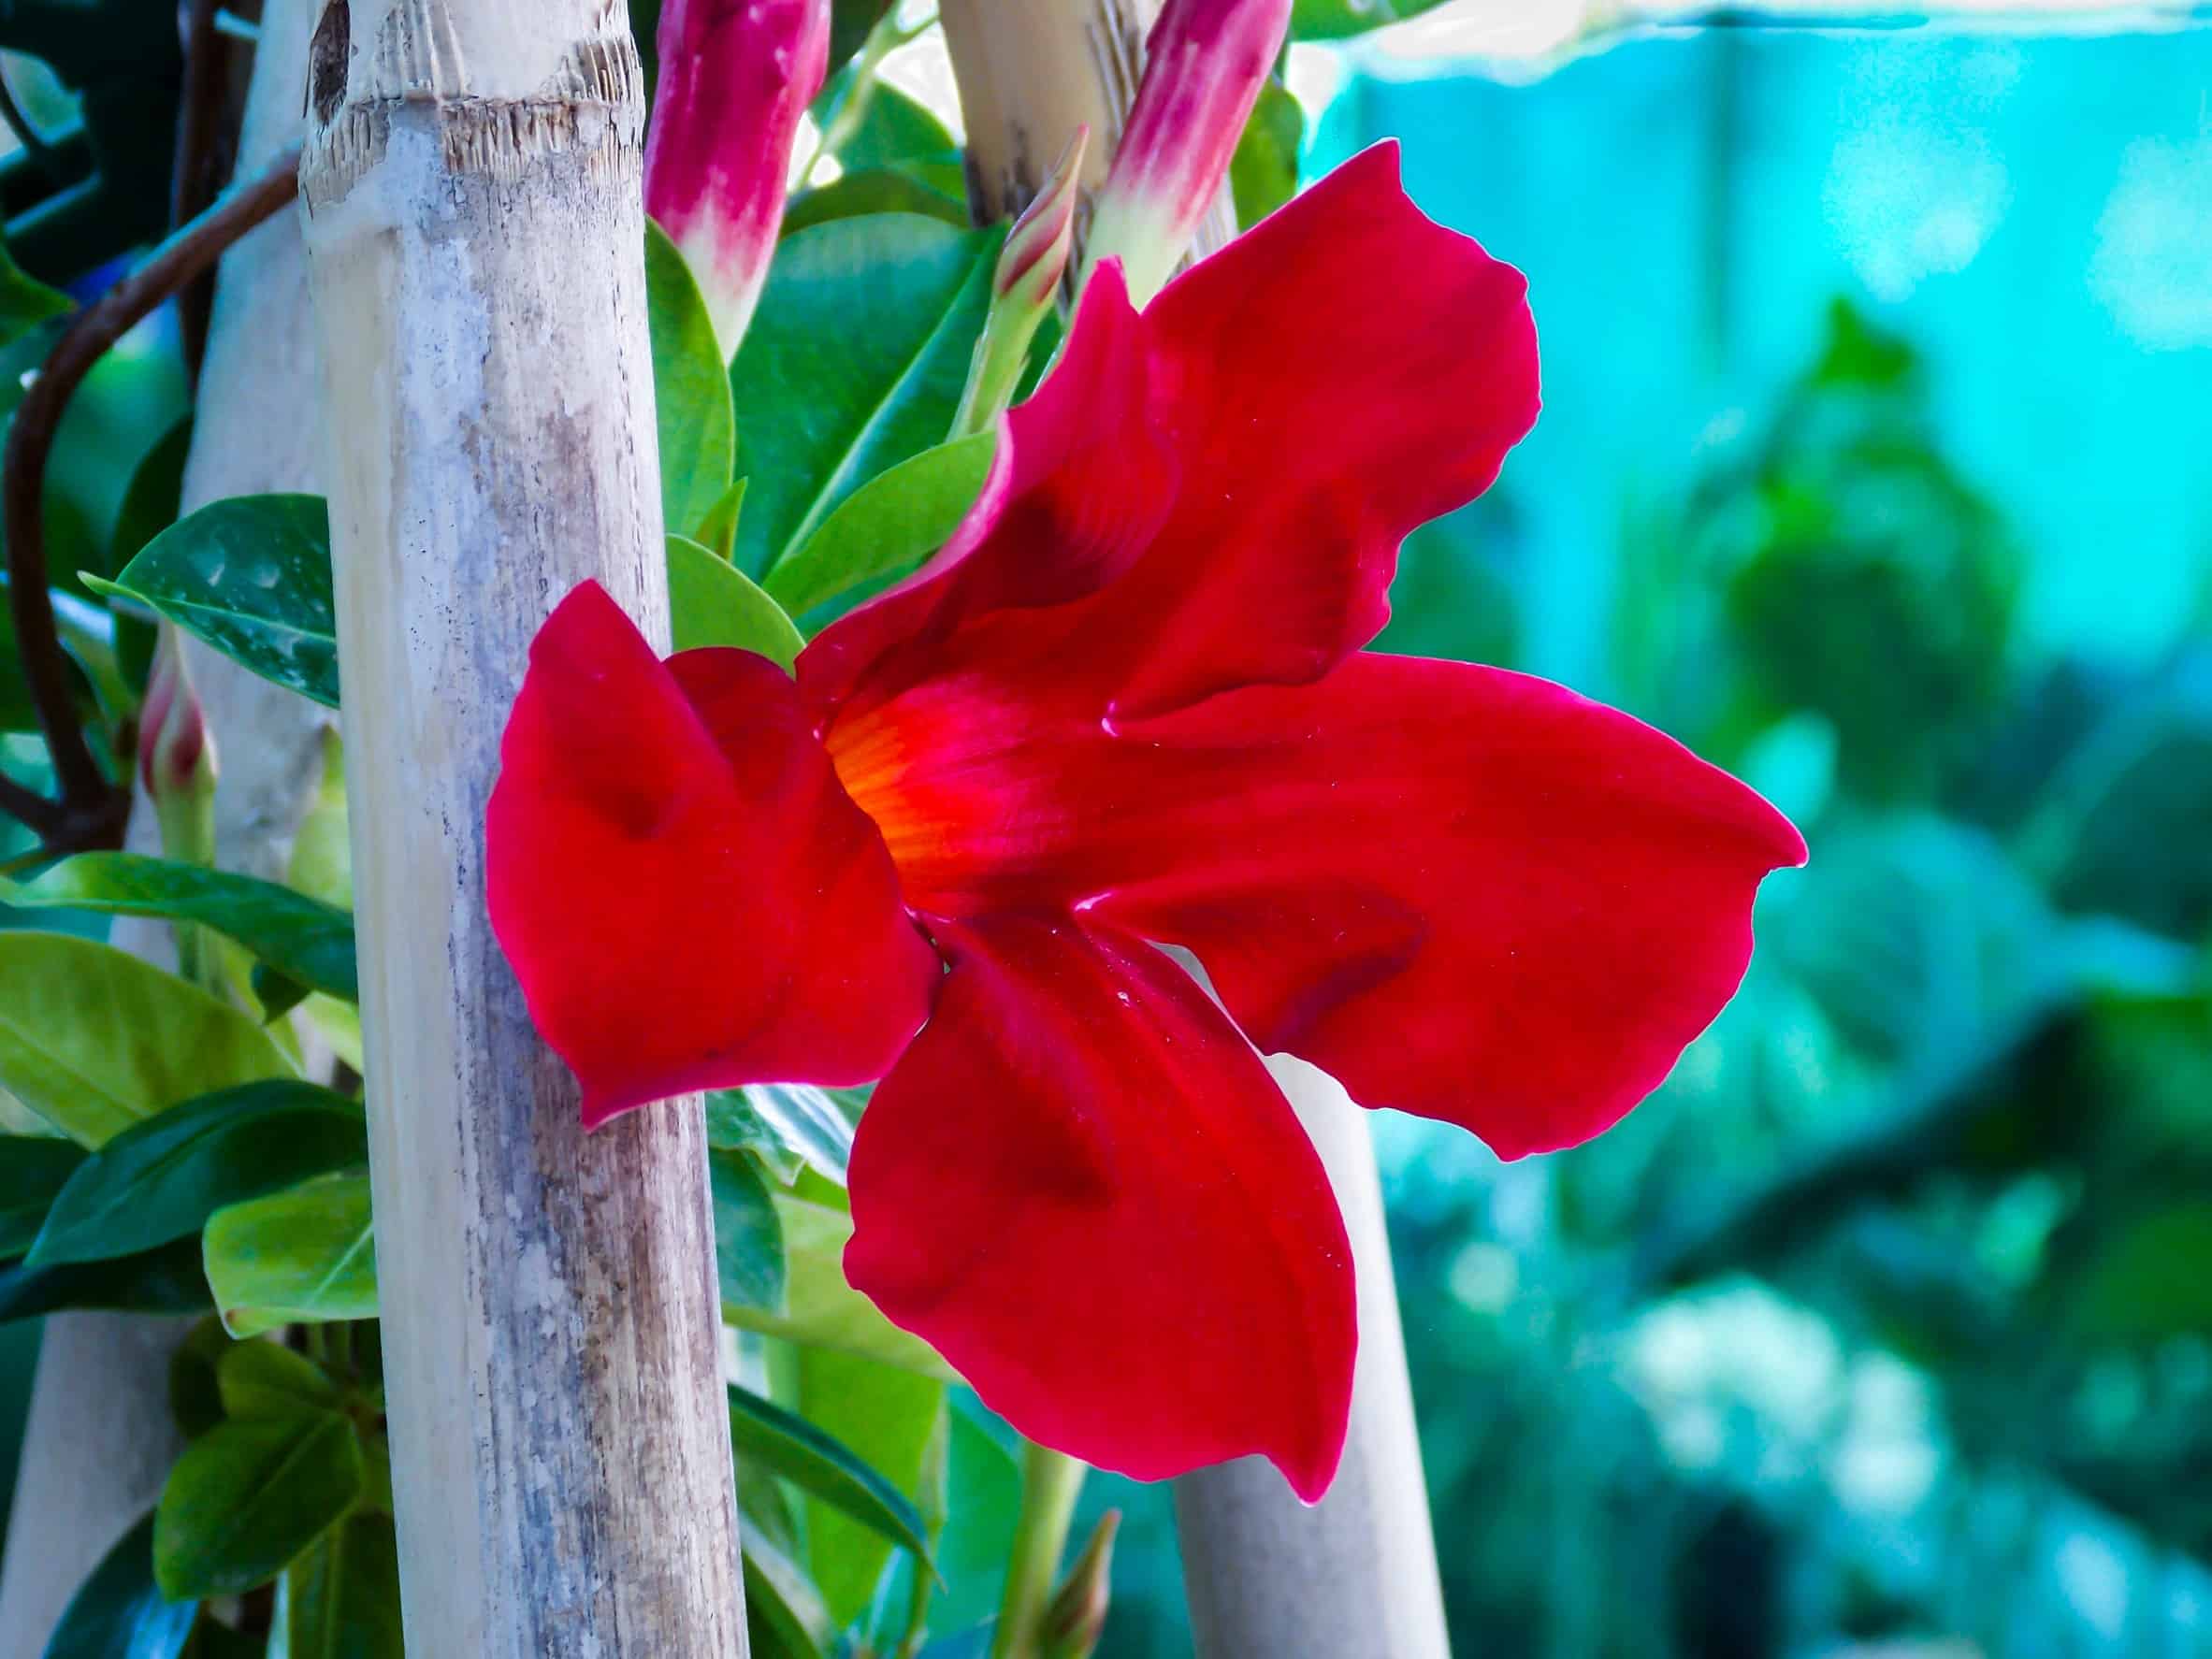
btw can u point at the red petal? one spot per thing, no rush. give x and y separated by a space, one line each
687 896
1228 475
1083 1189
1463 892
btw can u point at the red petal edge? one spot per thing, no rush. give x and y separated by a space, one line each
1083 1189
687 897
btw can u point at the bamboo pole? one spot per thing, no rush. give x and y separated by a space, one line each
560 1442
1355 1577
99 1440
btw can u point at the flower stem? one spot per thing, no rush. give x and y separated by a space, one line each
1050 1482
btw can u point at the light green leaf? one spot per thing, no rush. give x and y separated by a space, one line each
854 361
711 602
718 531
894 126
305 940
783 1119
341 1600
94 1040
1335 20
888 1418
260 1379
251 576
821 1310
1264 173
306 1256
33 1169
786 1444
899 187
247 1498
25 301
890 525
749 1239
162 1178
690 387
785 1616
118 1613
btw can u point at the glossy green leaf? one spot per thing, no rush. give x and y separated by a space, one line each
94 1040
251 576
119 1612
887 525
305 940
785 1617
733 1125
25 301
899 187
791 1118
340 1599
854 361
162 1178
819 1464
718 531
259 1379
1335 20
711 602
894 126
33 1169
306 1256
886 1417
1264 173
247 1498
749 1238
195 1390
820 1310
690 387
164 1280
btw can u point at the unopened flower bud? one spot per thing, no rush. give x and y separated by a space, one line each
735 77
177 756
1076 1615
1204 63
1023 288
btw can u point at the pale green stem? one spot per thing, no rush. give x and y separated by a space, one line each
884 39
1050 1482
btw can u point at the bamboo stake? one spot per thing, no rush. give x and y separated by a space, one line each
1354 1578
560 1442
99 1440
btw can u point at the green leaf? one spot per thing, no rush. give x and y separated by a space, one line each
195 1390
340 1599
854 361
890 525
322 863
25 301
899 187
164 1280
247 1498
886 1417
302 1256
1335 20
785 1617
749 1238
33 1168
251 576
2148 1280
894 127
94 1040
850 21
773 1119
718 531
767 1437
1264 172
821 1309
711 602
305 940
118 1613
690 387
257 1381
163 1178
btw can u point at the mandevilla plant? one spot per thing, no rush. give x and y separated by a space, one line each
1012 644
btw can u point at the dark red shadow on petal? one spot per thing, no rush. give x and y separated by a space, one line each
686 895
1083 1189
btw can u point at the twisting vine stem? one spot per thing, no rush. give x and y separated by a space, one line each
92 810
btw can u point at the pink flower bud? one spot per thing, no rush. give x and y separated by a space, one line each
1025 285
1204 63
735 77
176 757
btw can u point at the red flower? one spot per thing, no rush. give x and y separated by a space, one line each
1128 705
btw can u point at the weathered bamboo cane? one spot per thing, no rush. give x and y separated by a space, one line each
99 1437
560 1437
1355 1577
